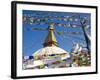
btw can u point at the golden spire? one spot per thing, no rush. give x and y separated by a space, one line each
50 39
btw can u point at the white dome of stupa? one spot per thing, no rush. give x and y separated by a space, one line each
50 50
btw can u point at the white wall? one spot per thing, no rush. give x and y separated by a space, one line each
5 35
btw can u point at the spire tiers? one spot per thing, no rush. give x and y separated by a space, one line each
50 39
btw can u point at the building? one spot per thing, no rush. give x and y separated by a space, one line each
51 54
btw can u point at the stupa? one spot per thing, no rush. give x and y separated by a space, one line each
51 48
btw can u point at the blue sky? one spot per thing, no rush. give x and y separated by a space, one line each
34 39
